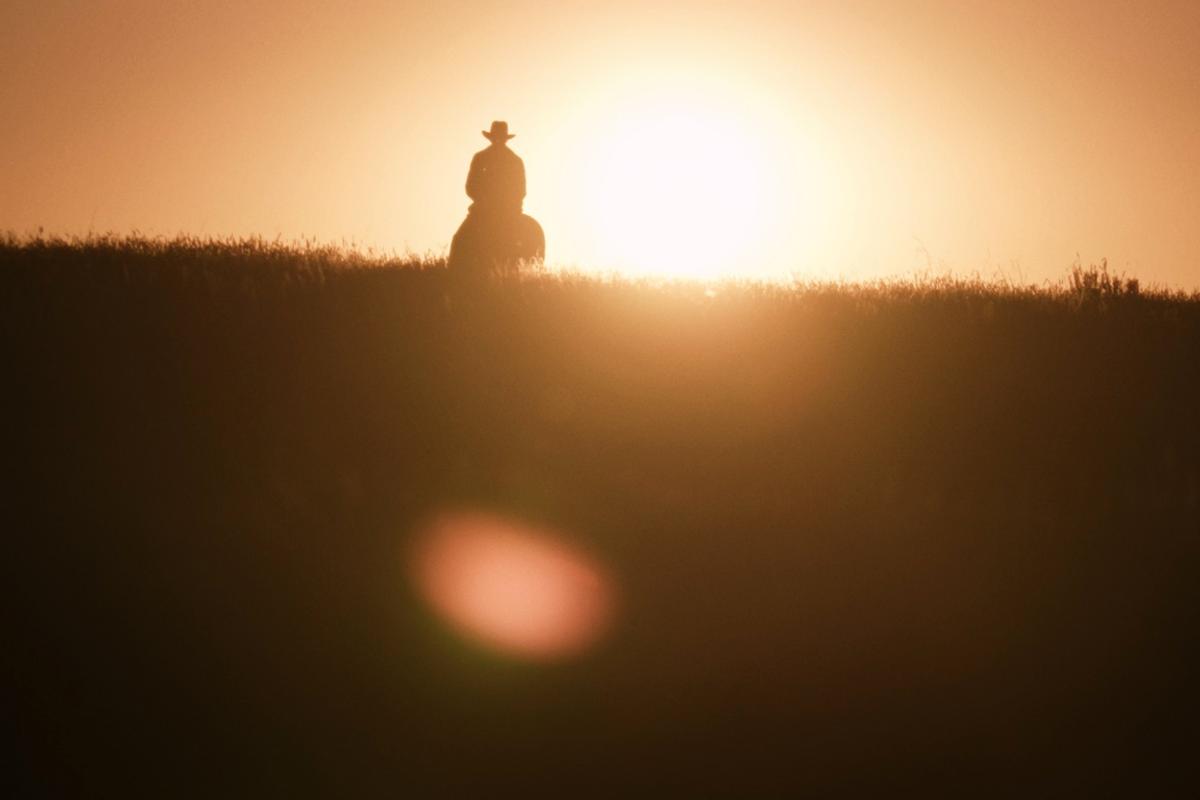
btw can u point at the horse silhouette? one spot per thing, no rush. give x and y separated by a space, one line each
496 244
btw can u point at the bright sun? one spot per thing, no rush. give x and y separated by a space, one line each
687 173
684 180
677 192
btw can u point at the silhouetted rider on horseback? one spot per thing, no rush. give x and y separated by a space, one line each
496 181
496 235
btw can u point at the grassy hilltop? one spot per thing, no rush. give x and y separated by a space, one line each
936 536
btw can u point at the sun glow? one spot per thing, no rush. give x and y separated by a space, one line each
678 192
691 178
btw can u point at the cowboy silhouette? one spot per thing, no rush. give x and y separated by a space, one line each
496 180
496 235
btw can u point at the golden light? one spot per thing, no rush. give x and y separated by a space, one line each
677 192
689 175
514 587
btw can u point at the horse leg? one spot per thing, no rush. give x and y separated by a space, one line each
464 248
532 240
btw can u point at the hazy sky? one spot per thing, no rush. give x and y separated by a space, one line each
840 138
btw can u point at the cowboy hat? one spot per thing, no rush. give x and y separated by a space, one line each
499 132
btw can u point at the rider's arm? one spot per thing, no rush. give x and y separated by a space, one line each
473 178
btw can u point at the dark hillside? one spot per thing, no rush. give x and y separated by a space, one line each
938 537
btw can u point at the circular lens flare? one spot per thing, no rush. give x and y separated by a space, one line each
516 588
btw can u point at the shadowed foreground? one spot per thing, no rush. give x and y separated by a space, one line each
937 537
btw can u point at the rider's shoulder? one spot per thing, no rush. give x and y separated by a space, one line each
495 153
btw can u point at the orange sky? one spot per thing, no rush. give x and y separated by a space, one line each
883 136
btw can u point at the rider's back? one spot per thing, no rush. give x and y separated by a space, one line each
496 180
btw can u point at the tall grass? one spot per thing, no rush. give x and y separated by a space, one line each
933 534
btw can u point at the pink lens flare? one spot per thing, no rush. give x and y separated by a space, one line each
517 588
